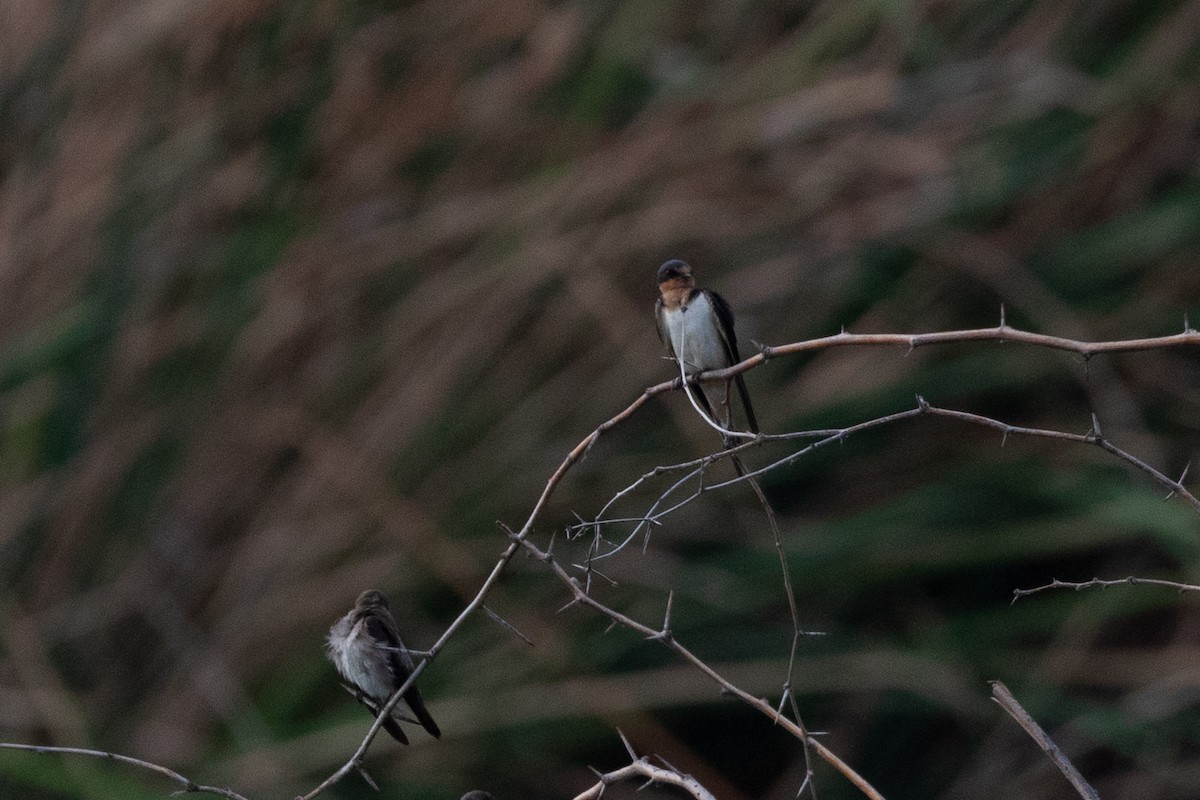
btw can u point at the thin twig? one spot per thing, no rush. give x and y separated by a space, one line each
189 786
1093 437
505 623
1132 580
1005 699
657 512
808 783
777 538
689 388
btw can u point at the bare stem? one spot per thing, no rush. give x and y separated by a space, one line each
1005 699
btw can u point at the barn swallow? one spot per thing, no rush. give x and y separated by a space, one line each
696 325
366 648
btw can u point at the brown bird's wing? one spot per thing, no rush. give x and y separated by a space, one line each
724 322
383 630
390 725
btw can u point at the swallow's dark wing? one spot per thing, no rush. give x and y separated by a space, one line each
383 631
724 324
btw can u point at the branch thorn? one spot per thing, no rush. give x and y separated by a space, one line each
366 777
628 747
499 619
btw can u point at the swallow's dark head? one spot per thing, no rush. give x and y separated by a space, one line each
371 599
675 270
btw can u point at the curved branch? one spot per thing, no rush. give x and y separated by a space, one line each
189 786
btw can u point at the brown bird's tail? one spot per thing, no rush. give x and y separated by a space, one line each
391 726
417 704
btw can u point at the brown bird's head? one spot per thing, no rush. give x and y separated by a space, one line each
675 274
371 599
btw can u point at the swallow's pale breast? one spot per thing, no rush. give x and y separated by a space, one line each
694 335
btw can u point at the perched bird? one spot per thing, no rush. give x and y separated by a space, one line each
366 648
696 325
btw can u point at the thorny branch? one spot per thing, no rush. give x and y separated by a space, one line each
1001 333
519 539
1132 580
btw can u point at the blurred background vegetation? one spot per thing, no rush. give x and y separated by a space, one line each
300 298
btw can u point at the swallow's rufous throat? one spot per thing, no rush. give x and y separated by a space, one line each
366 648
696 325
